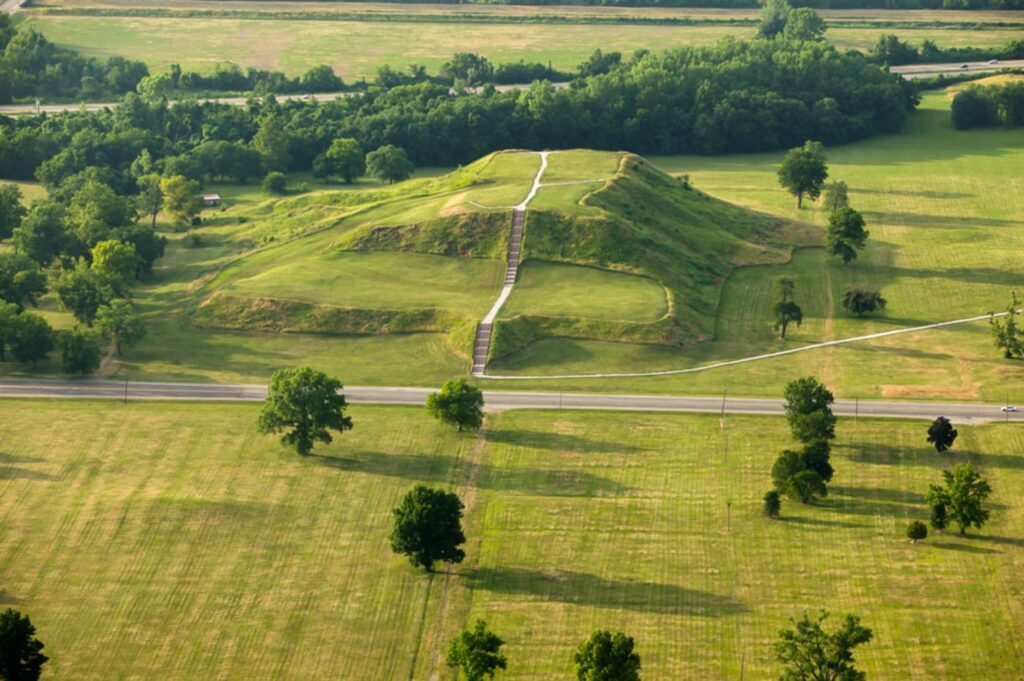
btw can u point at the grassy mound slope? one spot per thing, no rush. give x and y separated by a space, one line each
429 255
645 222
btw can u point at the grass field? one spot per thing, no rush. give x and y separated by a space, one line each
356 49
555 289
172 541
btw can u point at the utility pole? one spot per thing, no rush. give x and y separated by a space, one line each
721 416
126 386
856 408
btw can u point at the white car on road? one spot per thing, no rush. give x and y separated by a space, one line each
1008 407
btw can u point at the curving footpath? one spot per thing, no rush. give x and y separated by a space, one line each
482 343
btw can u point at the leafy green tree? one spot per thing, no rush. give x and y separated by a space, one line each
119 321
774 14
938 518
344 159
607 657
808 406
1008 334
12 212
21 280
772 504
321 78
962 496
860 300
458 404
809 653
804 24
42 233
477 653
79 352
115 263
788 464
150 198
803 171
836 196
272 142
805 485
80 291
181 200
389 163
468 67
21 656
304 404
275 183
942 434
846 234
785 311
817 454
33 339
8 326
428 527
916 531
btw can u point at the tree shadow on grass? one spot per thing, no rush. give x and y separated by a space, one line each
561 442
995 539
583 588
8 598
935 221
437 469
922 194
820 522
890 455
963 548
893 495
12 472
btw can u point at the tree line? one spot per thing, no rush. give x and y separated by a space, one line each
892 51
988 106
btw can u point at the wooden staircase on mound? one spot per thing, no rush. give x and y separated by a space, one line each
483 330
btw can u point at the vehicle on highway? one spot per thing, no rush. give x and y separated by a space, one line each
965 66
1008 407
993 61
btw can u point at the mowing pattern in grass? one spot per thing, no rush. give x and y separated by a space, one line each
171 541
356 49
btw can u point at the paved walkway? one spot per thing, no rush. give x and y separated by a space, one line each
482 344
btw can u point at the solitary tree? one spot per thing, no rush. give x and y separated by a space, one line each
79 352
804 24
809 410
942 434
12 212
860 300
962 496
21 657
809 653
607 657
118 321
1007 334
468 67
275 183
836 196
459 404
772 504
804 171
389 163
477 653
150 198
938 517
428 527
846 234
304 404
785 310
916 531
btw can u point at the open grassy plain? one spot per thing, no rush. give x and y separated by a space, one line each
357 48
172 541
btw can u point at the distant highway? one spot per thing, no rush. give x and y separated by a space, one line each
912 71
501 400
22 109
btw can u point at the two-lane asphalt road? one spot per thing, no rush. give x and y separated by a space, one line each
497 400
912 71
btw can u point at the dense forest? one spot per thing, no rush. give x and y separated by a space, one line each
732 97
